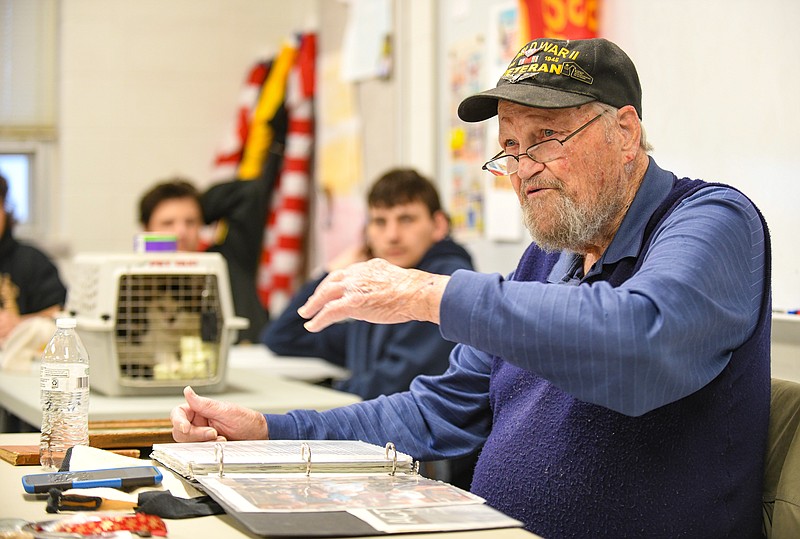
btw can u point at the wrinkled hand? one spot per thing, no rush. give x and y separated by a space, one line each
204 420
375 291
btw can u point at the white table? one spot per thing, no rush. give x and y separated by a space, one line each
259 358
19 394
18 504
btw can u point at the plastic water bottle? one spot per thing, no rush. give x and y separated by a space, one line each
64 389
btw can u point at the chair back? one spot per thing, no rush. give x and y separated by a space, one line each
781 493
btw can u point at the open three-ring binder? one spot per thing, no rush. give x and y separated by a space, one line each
320 488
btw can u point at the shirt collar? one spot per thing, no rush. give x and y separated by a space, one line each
628 239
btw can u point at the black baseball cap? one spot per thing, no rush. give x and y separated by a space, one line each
558 73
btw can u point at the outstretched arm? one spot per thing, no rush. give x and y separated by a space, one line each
375 291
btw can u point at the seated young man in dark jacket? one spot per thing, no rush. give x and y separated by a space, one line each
407 227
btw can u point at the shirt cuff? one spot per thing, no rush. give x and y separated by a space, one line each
281 427
463 290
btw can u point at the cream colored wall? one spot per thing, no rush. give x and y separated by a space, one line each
719 82
148 89
786 346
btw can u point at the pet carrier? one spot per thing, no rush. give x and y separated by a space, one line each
154 322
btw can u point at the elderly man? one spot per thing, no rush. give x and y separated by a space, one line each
620 376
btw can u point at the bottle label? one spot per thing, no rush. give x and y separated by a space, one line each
64 377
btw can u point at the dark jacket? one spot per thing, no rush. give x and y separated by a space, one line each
244 205
32 273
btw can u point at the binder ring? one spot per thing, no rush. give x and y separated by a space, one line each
390 447
305 454
219 456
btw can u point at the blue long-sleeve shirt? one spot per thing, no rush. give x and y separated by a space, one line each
663 334
675 323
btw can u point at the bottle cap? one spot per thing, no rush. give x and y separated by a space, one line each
66 323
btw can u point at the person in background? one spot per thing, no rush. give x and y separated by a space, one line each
176 206
173 207
619 378
406 226
30 286
29 281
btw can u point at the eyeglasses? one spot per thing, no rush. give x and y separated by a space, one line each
541 152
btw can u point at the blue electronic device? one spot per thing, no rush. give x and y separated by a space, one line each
135 476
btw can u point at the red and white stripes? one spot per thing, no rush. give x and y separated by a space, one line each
283 253
232 146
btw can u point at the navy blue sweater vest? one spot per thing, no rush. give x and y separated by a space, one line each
692 468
